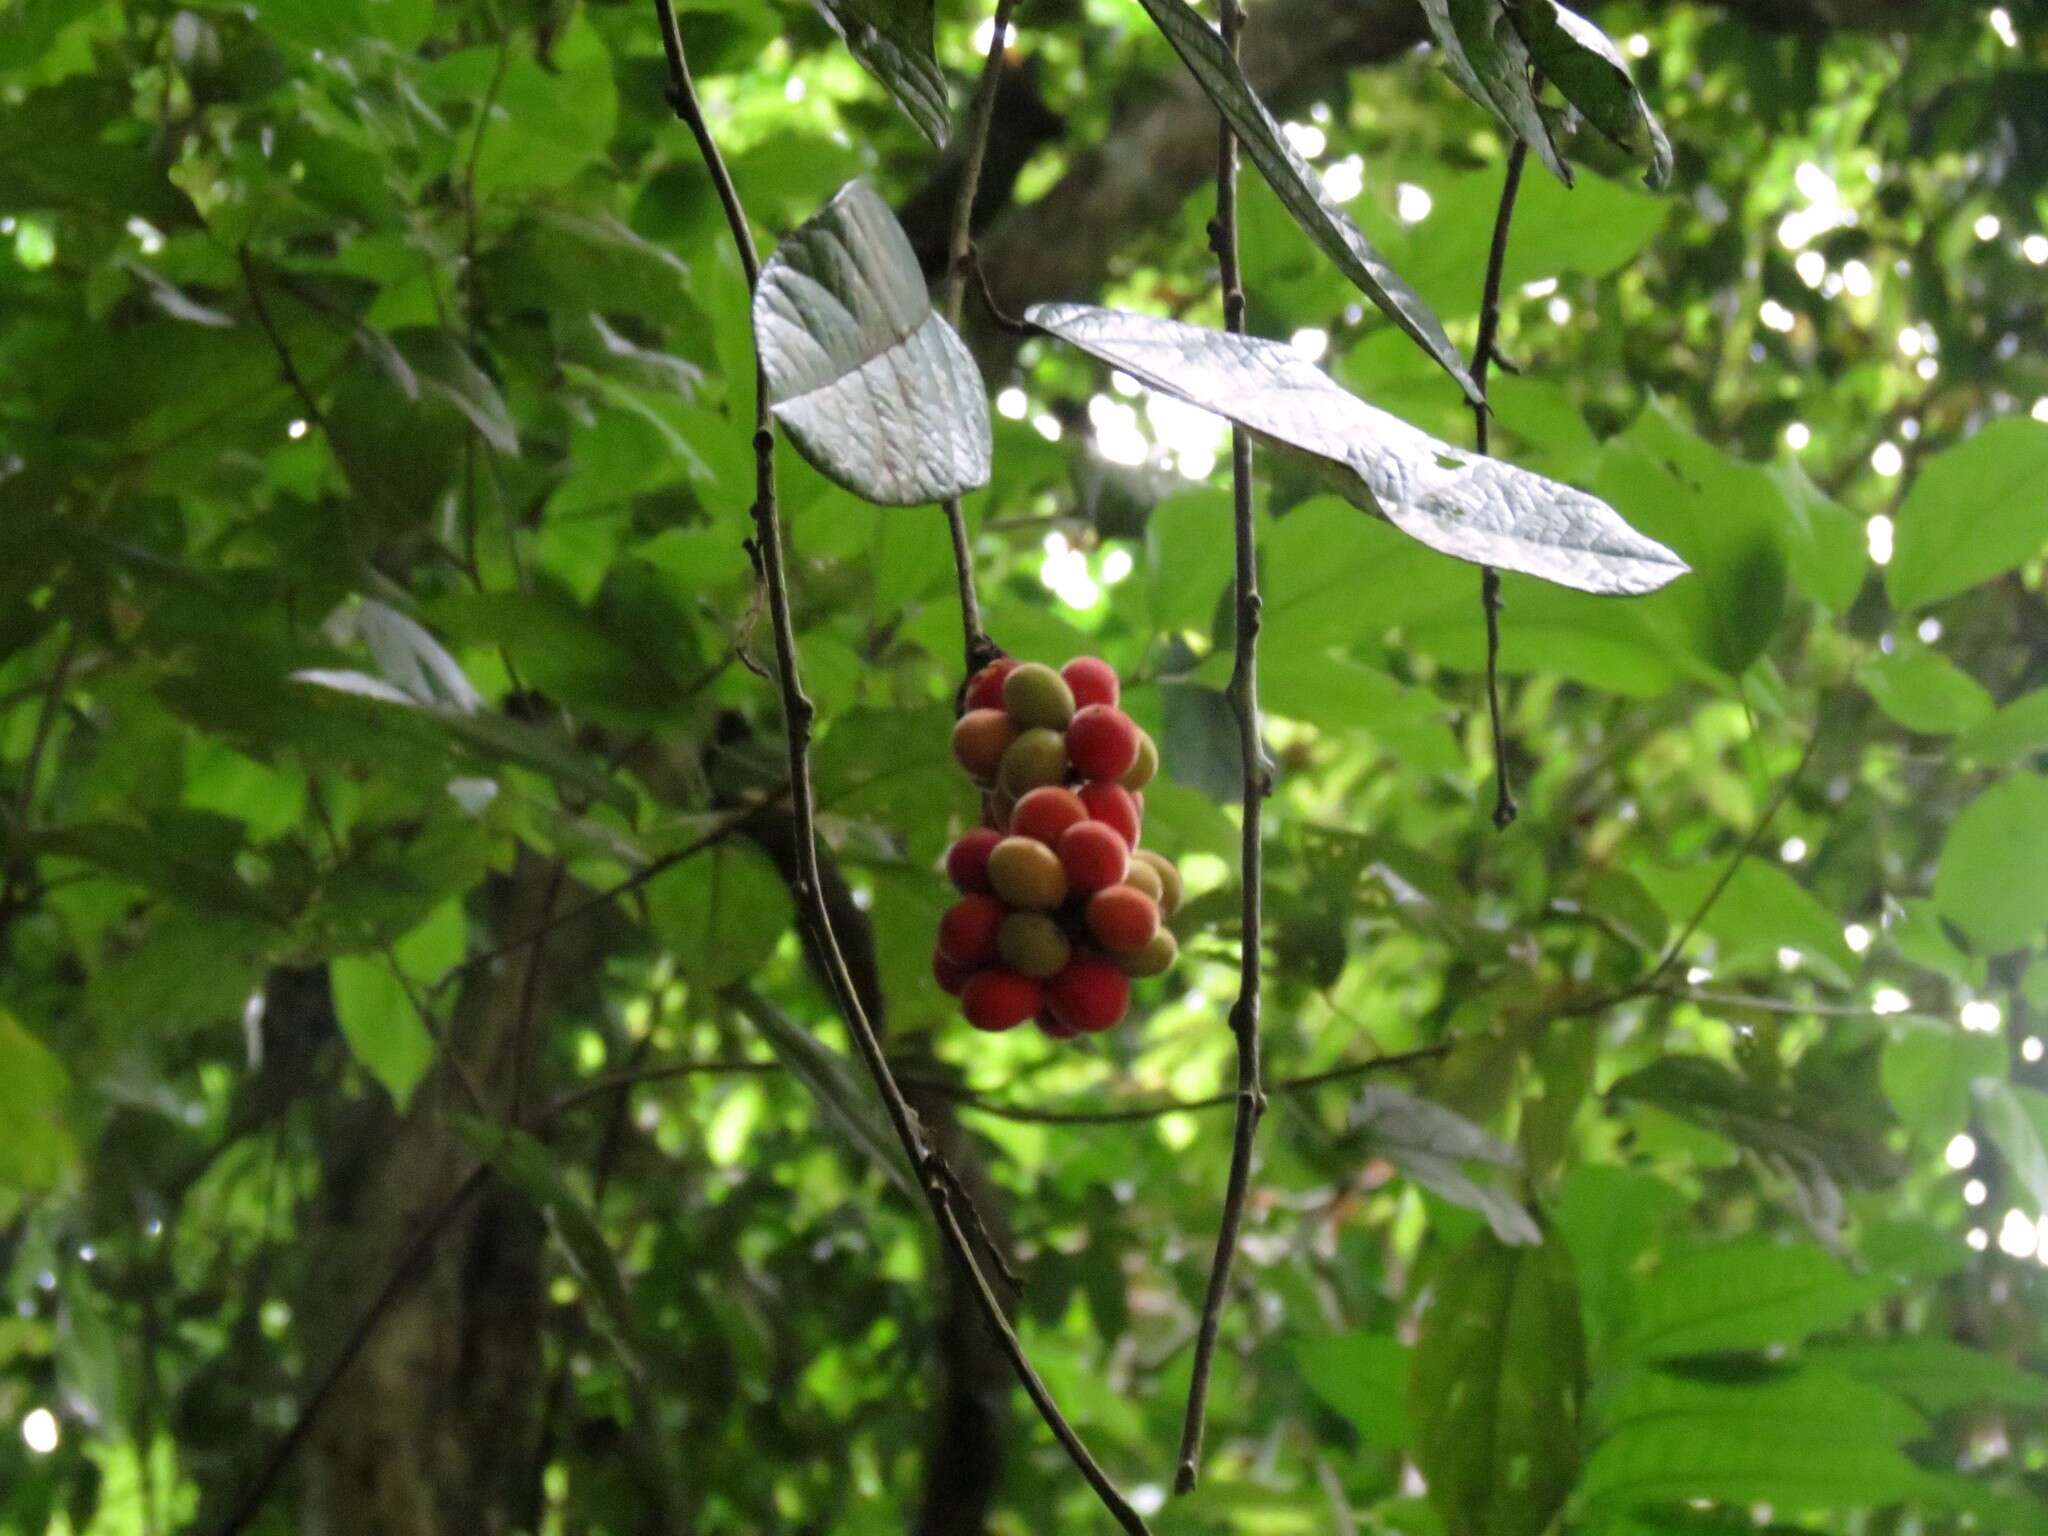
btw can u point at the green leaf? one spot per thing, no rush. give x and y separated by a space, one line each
1808 1440
1937 1374
38 1148
531 1169
1926 692
1746 1295
1762 910
1498 1386
1929 1073
892 40
1299 187
1430 1144
2017 1120
448 373
872 385
843 1092
1992 881
1975 511
1362 1375
1451 499
380 1024
1188 559
721 913
188 857
2009 738
1587 69
1490 63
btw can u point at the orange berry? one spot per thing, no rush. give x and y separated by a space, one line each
1143 877
1093 856
980 739
1092 680
1047 812
1140 773
1123 919
1155 959
1171 889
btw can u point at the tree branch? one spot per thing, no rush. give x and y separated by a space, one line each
1482 359
797 713
1243 692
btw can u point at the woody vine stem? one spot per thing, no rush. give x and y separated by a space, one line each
1243 691
940 1187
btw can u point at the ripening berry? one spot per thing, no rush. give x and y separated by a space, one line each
998 1000
1047 812
1155 959
1140 772
950 977
1114 806
980 739
1170 888
1036 757
1033 945
1035 695
985 688
967 932
1123 919
967 860
1143 877
996 807
1051 1025
1093 856
1092 679
1089 996
1102 743
1027 875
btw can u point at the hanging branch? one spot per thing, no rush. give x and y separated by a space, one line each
1483 357
939 1187
981 650
1243 693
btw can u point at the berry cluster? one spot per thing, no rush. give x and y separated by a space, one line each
1059 907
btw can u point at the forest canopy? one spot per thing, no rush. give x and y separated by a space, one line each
477 811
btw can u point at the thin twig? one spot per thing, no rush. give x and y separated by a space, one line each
1484 354
980 649
1243 693
797 715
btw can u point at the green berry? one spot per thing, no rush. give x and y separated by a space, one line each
1036 696
1155 959
1031 943
1034 759
1027 874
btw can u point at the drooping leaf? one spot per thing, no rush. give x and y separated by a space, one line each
1926 692
1430 1144
1457 502
1498 1387
2017 732
2017 1120
1299 187
1992 881
1975 510
873 386
892 40
1490 62
1361 1375
843 1093
1746 1295
1587 69
531 1169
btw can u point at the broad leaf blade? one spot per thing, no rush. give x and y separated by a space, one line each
1497 1387
1430 1144
1977 509
1748 1295
1457 502
1587 69
873 386
1299 187
1992 881
1490 62
892 40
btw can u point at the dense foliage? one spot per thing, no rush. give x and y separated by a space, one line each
418 1110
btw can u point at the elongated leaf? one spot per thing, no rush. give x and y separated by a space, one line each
1490 62
1587 69
874 387
1935 1373
33 1088
847 1101
1497 1388
1430 1144
1976 510
2017 732
2017 1120
1926 692
1457 502
892 40
1299 187
1992 881
530 1168
1745 1296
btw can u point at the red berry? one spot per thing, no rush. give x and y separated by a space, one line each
967 860
952 979
1094 856
1114 806
999 1000
1046 812
1102 742
985 688
1092 679
1090 995
1123 918
967 933
1045 1020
